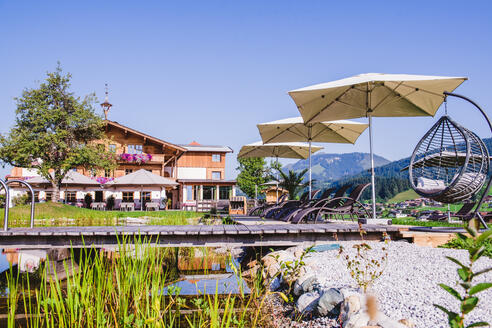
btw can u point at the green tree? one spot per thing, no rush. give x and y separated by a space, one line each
293 182
252 172
56 131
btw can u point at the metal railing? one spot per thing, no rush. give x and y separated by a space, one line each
5 185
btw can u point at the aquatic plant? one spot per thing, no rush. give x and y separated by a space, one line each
125 289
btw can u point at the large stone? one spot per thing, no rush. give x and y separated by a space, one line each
350 306
356 320
307 302
309 284
297 290
407 322
329 303
275 284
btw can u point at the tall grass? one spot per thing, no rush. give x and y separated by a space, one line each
124 291
54 214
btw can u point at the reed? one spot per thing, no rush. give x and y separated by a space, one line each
122 291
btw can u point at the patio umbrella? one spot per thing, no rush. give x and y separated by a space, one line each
374 94
295 129
298 150
72 177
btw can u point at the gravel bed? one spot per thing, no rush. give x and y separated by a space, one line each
408 287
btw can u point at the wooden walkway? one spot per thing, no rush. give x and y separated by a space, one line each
191 235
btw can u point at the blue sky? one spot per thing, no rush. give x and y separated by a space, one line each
211 70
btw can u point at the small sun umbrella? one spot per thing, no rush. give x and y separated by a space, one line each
374 94
298 150
295 129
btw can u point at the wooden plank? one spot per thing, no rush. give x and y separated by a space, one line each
230 229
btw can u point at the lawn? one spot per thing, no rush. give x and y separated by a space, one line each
56 214
403 196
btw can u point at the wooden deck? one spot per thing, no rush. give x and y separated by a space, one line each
191 235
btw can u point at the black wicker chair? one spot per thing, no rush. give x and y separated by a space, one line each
450 163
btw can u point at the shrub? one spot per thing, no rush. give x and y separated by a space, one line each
2 201
459 243
22 199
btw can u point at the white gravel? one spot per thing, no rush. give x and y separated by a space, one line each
408 287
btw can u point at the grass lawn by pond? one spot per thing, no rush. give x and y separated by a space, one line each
54 214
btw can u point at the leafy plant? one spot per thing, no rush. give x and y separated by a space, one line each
459 243
293 182
291 270
468 300
253 173
366 266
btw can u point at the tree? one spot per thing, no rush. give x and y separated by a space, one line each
293 182
253 172
55 131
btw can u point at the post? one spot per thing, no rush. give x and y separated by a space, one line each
486 191
373 186
277 179
310 167
7 205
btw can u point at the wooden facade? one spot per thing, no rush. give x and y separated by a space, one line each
203 164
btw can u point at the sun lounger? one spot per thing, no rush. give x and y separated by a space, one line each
343 206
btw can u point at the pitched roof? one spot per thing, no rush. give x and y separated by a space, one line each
207 148
144 135
142 178
72 178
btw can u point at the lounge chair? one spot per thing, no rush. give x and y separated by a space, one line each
279 211
343 206
303 214
464 213
260 209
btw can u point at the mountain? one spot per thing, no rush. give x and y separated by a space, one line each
327 168
352 168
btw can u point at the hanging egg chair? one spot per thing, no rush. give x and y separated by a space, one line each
450 163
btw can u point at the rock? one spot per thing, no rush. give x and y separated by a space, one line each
307 302
350 306
309 284
356 320
275 284
252 264
329 303
407 322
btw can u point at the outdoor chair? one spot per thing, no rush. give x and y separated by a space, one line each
304 214
269 212
464 213
308 204
260 209
151 206
291 206
343 206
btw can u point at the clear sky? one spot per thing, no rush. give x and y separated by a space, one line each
211 70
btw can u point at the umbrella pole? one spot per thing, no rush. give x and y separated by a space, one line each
309 168
373 187
277 177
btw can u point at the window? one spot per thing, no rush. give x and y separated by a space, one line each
107 173
189 192
127 197
225 192
48 196
135 149
36 197
128 171
112 148
215 157
70 197
216 175
208 192
98 195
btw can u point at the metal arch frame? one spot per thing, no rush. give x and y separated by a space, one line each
486 191
32 200
7 204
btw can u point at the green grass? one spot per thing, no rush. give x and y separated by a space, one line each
48 214
414 222
124 291
403 196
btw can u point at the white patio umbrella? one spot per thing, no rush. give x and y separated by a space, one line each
298 150
295 129
374 94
